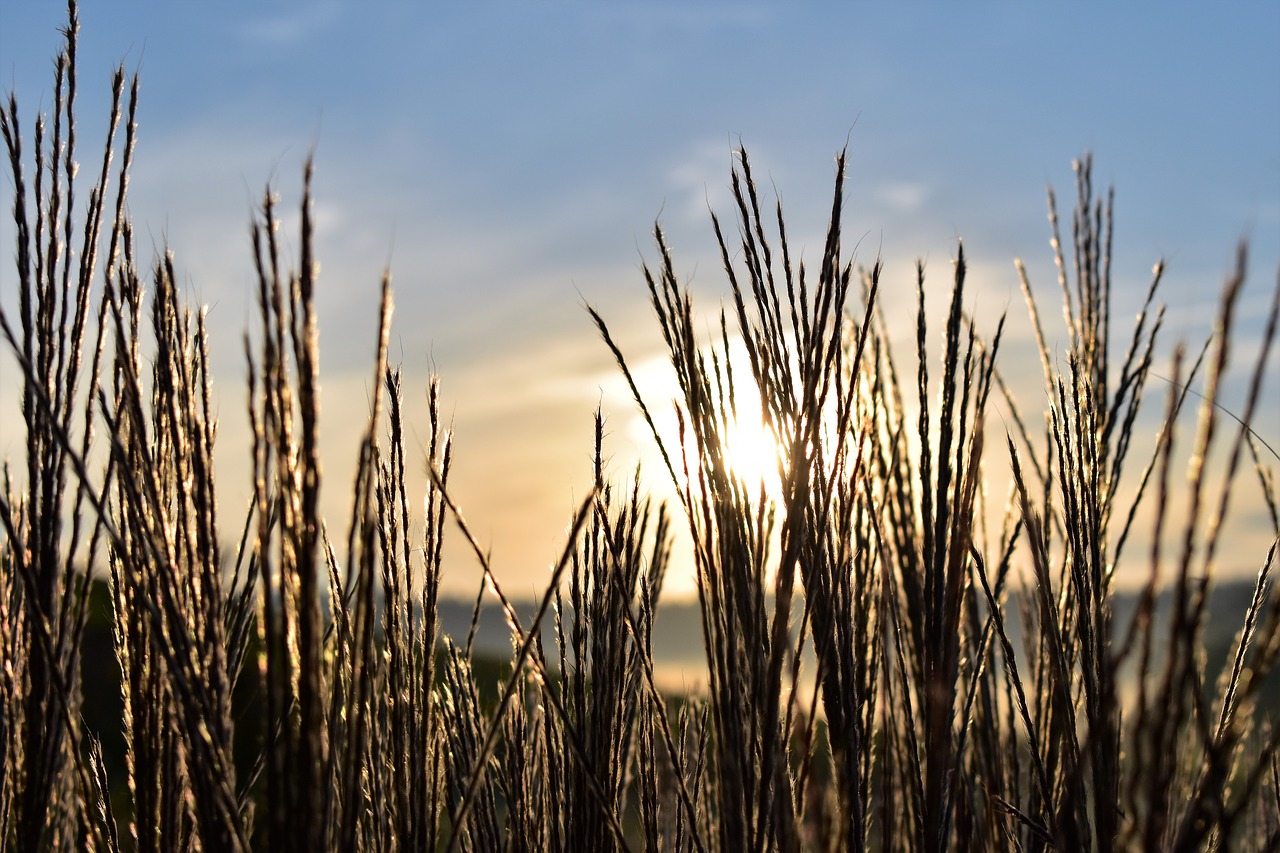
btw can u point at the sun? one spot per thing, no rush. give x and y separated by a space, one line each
751 449
752 452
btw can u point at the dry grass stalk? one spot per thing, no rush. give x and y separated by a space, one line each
972 688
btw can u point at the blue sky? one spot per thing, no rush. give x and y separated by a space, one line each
508 160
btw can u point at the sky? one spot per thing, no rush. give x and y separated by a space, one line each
507 163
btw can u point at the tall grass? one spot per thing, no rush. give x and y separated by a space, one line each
283 679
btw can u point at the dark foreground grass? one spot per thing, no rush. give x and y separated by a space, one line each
975 688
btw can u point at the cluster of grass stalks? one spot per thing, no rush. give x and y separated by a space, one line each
972 688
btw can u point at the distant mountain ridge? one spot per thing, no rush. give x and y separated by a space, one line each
678 642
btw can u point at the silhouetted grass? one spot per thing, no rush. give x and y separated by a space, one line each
977 683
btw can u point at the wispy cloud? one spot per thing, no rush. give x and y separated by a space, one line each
700 15
695 177
291 24
902 196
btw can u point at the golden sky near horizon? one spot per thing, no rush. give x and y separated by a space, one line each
508 169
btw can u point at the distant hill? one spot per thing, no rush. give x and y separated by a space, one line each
678 643
677 646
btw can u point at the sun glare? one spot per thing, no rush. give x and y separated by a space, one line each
750 447
751 452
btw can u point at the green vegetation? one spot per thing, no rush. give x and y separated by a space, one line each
975 689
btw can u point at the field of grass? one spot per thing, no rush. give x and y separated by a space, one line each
885 669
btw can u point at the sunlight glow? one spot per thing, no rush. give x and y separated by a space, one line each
751 451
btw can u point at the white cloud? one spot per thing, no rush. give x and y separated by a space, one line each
695 17
296 23
697 178
902 196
